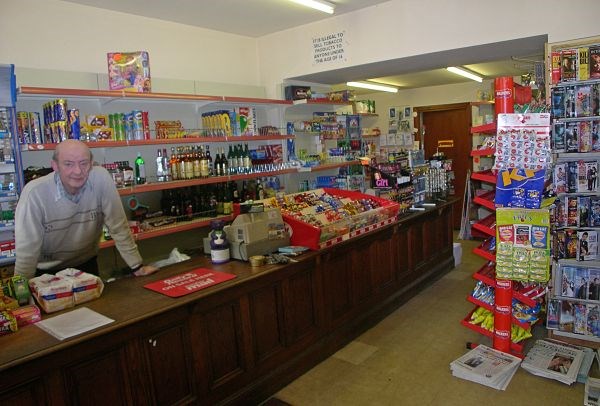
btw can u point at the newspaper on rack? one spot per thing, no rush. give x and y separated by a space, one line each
555 360
592 392
486 366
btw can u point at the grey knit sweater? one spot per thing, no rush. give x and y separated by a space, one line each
53 233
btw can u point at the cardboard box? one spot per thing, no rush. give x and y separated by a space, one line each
297 92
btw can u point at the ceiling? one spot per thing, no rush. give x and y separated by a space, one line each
256 18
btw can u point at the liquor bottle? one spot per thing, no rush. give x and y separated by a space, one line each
204 164
160 171
174 164
216 170
244 195
219 196
210 161
189 164
227 200
224 163
230 160
260 191
247 160
235 193
197 162
128 176
166 165
181 164
140 170
240 159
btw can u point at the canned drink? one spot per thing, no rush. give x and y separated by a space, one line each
120 123
23 127
137 125
62 131
60 110
35 134
128 124
146 125
74 125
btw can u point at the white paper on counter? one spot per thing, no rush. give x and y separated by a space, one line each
72 323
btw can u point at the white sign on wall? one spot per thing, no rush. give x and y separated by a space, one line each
329 48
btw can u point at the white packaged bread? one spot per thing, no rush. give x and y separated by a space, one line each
52 292
86 286
67 288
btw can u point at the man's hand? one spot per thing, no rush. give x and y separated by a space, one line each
146 270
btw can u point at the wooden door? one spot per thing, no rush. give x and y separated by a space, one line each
446 129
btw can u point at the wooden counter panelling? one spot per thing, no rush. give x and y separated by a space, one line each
234 343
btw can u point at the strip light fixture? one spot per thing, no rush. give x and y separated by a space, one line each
317 5
373 86
465 73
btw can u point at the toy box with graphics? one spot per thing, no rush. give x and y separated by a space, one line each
129 71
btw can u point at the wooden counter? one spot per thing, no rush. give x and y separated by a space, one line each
234 343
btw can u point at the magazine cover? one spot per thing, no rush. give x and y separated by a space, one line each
571 241
593 319
566 320
129 71
570 97
571 177
583 63
583 101
552 314
558 102
585 136
595 99
568 70
587 176
595 62
559 244
582 285
572 137
595 211
583 209
558 137
580 315
568 281
560 178
572 212
594 293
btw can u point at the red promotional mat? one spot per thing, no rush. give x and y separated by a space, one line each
185 283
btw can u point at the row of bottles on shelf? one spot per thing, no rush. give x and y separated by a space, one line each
216 199
189 162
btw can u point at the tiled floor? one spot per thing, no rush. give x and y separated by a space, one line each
404 360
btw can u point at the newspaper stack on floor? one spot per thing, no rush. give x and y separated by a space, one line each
486 366
554 359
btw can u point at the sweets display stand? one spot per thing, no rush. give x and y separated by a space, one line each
355 214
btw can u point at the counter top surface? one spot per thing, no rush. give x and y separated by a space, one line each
127 301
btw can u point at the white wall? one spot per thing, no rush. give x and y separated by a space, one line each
56 35
402 28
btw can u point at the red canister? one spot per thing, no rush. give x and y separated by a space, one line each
504 97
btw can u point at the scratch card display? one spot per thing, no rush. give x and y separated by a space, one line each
523 141
523 245
519 188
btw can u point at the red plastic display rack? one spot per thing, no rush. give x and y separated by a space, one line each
483 152
487 225
515 348
486 200
482 252
486 274
489 128
486 176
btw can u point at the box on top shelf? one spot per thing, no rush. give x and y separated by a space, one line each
323 217
129 71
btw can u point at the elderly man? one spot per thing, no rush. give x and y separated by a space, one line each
59 217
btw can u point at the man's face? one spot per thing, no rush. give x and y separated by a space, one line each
73 167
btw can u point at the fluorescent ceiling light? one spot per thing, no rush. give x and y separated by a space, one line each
373 86
317 5
465 73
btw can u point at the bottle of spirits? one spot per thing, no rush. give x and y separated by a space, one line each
174 164
260 191
210 161
216 170
227 200
160 171
140 170
224 163
197 162
231 161
166 165
247 160
204 164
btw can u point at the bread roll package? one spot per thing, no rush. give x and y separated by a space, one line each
52 292
86 286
